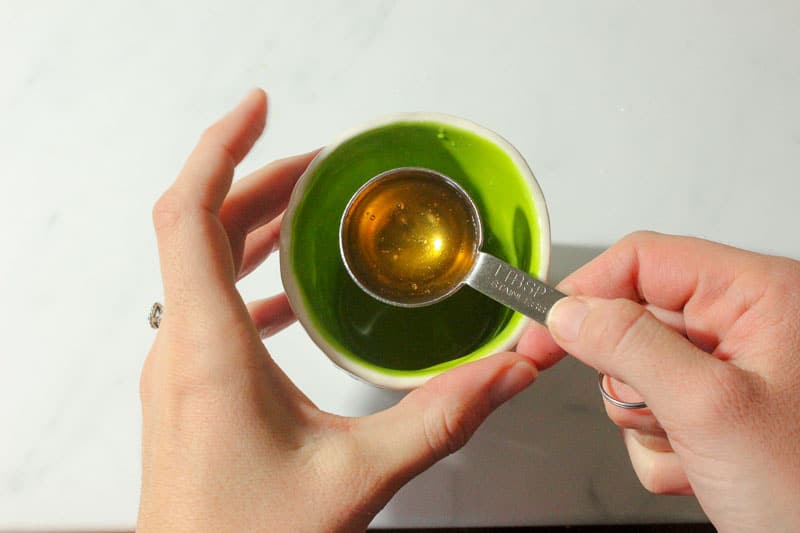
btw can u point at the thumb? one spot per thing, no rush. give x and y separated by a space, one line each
439 418
622 339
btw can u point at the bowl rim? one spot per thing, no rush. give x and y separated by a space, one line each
296 300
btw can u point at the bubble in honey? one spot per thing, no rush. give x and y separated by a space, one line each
410 237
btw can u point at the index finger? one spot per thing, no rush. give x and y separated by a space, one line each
711 284
196 263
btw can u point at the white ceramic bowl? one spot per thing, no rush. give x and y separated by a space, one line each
372 373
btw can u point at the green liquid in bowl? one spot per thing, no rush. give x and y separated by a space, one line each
403 341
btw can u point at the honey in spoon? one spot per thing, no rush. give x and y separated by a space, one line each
410 238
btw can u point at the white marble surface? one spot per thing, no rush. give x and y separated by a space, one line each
676 116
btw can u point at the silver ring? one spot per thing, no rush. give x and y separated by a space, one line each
154 318
614 401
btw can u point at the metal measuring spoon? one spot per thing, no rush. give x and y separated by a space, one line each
434 277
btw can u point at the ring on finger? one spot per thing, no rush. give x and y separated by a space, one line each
610 399
154 318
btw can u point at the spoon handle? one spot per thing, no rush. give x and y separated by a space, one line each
512 287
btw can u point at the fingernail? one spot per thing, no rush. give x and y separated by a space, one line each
515 379
566 318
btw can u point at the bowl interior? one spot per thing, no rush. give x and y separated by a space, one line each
409 341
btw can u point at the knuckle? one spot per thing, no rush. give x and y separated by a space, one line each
181 370
187 390
212 138
639 237
446 431
167 211
621 325
210 134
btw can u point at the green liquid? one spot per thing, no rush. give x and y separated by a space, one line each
402 340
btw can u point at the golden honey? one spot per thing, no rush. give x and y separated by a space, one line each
410 237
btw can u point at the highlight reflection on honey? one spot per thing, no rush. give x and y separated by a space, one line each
410 237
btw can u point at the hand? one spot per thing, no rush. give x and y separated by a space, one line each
228 442
710 337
